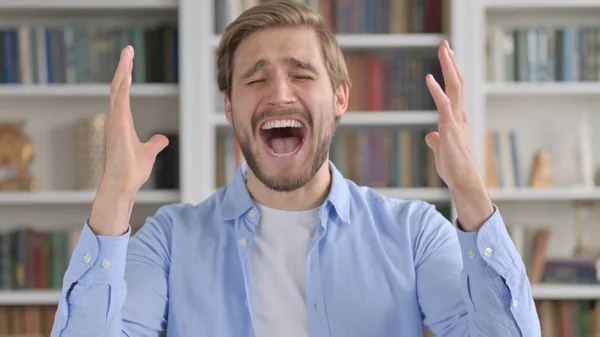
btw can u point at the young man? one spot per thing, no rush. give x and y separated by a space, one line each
289 247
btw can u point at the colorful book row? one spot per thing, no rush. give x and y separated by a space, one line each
35 259
86 53
569 318
27 321
383 17
543 54
391 81
356 16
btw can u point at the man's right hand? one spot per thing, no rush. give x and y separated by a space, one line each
129 162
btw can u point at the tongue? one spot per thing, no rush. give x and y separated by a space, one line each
284 145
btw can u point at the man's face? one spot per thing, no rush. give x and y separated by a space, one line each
283 108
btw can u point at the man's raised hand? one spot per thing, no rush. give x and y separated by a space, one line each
129 162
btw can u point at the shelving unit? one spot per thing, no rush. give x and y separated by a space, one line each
51 112
544 114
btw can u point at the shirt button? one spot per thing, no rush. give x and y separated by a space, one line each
105 263
87 259
471 254
515 303
488 252
242 242
252 213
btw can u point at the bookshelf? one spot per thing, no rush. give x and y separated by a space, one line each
51 110
546 97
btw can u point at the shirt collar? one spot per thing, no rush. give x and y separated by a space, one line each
237 200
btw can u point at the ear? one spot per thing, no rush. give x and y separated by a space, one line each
227 104
341 99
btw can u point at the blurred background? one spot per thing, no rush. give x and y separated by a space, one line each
532 72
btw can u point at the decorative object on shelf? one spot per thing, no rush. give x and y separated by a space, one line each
16 151
91 151
541 175
585 230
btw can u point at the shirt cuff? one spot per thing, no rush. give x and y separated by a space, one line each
491 245
98 259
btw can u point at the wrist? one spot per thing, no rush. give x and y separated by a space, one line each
473 207
111 210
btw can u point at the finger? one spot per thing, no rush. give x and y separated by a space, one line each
461 80
432 140
156 144
125 66
452 84
459 74
442 102
122 105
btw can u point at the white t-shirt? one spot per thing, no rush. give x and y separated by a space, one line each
277 269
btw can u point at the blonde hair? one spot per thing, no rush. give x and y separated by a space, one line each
285 13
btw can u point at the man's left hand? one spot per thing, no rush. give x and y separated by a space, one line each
452 146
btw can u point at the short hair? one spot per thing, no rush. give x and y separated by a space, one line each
283 13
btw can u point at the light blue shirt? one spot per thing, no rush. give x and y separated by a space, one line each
376 267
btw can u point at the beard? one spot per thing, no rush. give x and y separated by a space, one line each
321 140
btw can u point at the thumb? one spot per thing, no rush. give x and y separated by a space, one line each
432 140
157 143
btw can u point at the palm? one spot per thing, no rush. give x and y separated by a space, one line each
129 161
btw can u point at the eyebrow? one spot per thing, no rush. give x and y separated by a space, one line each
292 61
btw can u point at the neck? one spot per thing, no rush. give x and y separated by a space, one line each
310 196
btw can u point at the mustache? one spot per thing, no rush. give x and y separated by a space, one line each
281 112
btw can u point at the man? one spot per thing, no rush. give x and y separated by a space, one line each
289 247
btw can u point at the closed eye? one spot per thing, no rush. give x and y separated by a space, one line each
255 81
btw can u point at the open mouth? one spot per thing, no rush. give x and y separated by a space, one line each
283 137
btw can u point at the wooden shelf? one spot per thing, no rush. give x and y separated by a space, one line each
424 193
543 88
531 194
29 297
539 292
372 118
360 41
81 197
85 90
87 4
540 4
565 291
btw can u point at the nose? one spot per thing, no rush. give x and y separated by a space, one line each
279 92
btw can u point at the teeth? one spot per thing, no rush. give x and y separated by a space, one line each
282 123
